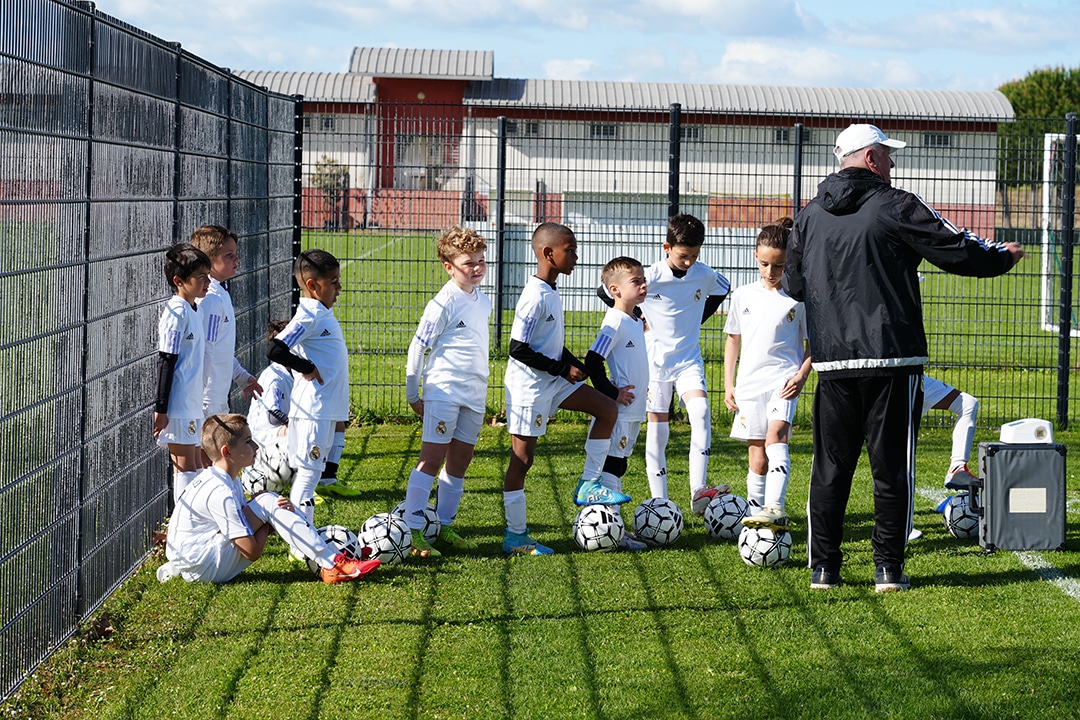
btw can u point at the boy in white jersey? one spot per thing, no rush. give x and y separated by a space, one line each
178 412
220 366
268 414
621 343
682 295
542 375
313 346
766 336
214 533
453 332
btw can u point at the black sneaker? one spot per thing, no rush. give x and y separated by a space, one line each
888 578
822 578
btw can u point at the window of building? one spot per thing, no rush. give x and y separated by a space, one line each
605 131
937 140
690 132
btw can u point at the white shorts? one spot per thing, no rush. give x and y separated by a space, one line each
445 421
934 391
757 413
309 442
623 438
181 431
218 561
683 379
531 420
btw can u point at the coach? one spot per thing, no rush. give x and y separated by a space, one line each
852 258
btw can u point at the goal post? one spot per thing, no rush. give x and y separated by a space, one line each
1053 174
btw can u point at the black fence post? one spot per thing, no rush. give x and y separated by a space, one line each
796 192
674 158
298 190
1068 207
500 229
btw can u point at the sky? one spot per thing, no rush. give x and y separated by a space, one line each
918 44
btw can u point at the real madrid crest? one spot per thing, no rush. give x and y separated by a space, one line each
791 315
539 422
441 428
191 428
315 453
697 295
622 443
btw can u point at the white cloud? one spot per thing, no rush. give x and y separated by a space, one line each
758 63
568 69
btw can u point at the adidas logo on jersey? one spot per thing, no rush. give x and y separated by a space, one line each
550 318
658 296
630 343
325 333
460 324
190 336
226 319
746 311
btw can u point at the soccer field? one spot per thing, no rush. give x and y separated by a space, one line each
684 632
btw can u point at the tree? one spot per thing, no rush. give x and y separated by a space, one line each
1040 101
1047 93
331 178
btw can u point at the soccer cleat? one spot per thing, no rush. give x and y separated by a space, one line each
630 543
822 578
702 497
450 536
347 568
421 547
915 534
521 544
888 578
336 488
591 492
772 516
959 479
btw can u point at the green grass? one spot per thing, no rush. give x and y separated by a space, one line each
685 632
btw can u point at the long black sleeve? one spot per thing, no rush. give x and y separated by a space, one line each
712 302
166 368
279 352
525 355
597 369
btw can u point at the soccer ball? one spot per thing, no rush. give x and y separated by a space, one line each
341 539
273 463
598 527
960 520
431 524
388 536
762 547
723 516
252 481
658 522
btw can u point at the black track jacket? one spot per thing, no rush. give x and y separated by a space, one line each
852 258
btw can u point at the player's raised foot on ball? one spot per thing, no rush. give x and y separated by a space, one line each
959 478
822 578
449 536
630 542
347 568
703 496
591 492
915 534
890 578
521 544
421 548
771 516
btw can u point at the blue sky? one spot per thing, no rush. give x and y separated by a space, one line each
832 43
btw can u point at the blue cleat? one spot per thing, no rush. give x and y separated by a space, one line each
591 492
521 544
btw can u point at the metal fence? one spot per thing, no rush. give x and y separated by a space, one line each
381 180
113 145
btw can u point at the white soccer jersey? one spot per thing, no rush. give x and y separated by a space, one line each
268 412
673 309
621 342
180 332
454 331
211 506
538 321
772 330
220 366
314 334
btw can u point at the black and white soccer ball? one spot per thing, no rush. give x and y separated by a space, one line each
762 547
342 539
388 536
253 481
960 520
431 524
658 522
723 517
273 462
598 527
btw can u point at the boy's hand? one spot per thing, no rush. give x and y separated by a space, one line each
576 374
417 407
793 387
729 400
626 395
161 421
313 376
284 504
252 387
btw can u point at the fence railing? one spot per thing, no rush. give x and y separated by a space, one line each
113 145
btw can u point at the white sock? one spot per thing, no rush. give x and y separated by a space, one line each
416 498
180 481
776 480
596 450
611 482
337 448
294 529
966 408
448 497
656 439
514 507
697 411
302 494
755 488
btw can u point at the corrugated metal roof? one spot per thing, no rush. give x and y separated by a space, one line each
753 99
405 62
315 86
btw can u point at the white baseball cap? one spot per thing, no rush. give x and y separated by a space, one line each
856 137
